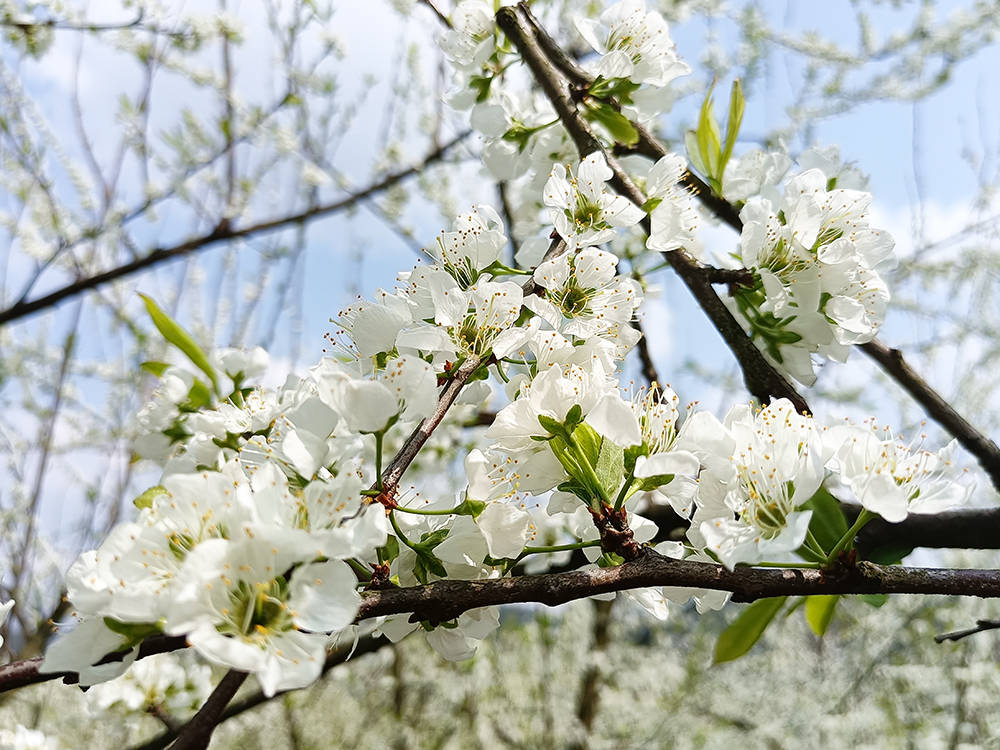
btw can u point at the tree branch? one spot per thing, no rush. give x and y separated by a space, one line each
339 655
197 733
223 232
981 626
442 601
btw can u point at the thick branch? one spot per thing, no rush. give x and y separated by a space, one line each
197 733
445 600
980 446
222 233
761 379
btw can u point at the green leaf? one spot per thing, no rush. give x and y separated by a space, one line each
874 600
610 466
589 441
619 88
389 551
432 539
199 396
470 508
428 562
737 104
889 554
574 416
180 338
691 144
819 612
145 500
746 629
709 143
133 632
617 124
828 523
156 368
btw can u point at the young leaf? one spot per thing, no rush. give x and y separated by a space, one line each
610 466
616 123
819 612
736 106
709 142
746 629
180 338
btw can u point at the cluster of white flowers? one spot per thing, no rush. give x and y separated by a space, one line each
273 512
816 260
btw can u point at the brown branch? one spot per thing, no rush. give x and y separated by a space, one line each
223 232
444 600
437 12
980 446
761 379
197 733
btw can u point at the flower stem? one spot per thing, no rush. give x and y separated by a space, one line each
399 532
378 460
847 540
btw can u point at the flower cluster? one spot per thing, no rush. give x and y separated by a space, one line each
816 262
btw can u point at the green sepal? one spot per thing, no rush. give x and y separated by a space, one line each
743 632
573 417
470 507
650 205
550 425
647 484
145 500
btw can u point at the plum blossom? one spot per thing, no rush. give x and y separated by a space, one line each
583 210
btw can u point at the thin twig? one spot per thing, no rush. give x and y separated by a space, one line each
981 626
